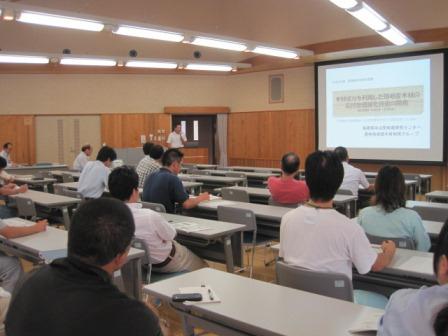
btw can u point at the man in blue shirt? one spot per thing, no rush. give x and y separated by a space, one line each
166 188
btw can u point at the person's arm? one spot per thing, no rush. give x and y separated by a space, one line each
384 258
8 191
19 231
183 138
168 141
193 202
420 236
364 182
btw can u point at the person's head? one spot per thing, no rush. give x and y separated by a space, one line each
87 149
172 159
323 174
440 257
290 163
123 184
389 189
7 147
341 153
3 163
156 152
147 147
177 128
100 233
106 155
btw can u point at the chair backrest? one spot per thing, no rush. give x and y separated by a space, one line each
286 205
238 216
344 192
413 177
235 195
140 244
154 206
432 213
72 193
236 174
58 189
199 172
67 177
335 285
404 243
26 207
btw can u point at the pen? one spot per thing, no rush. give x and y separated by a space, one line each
210 294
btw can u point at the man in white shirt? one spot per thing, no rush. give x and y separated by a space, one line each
82 158
317 237
6 153
167 255
353 177
176 139
94 176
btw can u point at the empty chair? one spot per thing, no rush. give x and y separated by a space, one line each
405 243
335 285
58 189
432 213
154 206
26 207
286 205
66 177
344 192
238 174
140 244
235 195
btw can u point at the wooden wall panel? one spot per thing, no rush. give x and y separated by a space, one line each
20 130
195 155
261 138
124 130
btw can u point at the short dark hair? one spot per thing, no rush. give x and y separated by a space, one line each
170 156
6 145
3 162
156 152
100 230
147 147
290 163
176 124
323 174
342 153
441 322
389 189
441 248
85 147
106 153
122 182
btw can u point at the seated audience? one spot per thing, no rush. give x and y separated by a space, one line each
418 312
167 255
388 217
75 295
286 189
6 153
94 176
82 158
150 163
7 189
317 237
353 177
166 188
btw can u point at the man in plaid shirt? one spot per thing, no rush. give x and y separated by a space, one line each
150 163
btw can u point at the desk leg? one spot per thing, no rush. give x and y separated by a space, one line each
45 188
66 217
132 278
228 253
348 211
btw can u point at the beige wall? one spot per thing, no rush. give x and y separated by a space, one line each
97 94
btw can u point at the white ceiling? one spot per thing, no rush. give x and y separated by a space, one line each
290 23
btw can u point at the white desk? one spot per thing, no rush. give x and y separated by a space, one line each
203 242
23 170
411 204
28 179
212 181
51 201
436 195
254 179
253 307
46 246
423 185
206 166
58 174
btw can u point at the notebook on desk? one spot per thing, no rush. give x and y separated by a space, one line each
189 227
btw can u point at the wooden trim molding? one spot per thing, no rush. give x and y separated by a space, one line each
196 109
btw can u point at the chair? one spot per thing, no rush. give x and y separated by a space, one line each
238 174
199 172
335 285
140 244
286 205
72 193
344 192
58 189
416 178
154 206
26 207
67 178
405 243
247 218
235 195
432 213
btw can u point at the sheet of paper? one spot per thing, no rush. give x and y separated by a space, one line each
189 227
418 265
368 321
217 203
208 294
17 222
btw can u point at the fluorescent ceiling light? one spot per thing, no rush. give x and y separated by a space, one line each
208 67
395 36
149 33
151 64
60 21
19 59
345 4
275 52
88 61
220 44
369 17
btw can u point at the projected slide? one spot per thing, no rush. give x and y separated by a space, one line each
380 105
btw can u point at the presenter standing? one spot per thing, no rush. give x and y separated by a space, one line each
176 139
